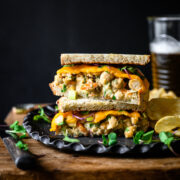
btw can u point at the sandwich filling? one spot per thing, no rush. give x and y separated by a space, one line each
86 123
99 82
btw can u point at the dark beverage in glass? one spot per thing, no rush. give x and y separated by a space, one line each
164 35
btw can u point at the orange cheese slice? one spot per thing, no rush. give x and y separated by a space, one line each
99 116
95 69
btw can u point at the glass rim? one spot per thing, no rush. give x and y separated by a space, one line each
164 18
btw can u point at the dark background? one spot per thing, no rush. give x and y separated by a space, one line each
34 33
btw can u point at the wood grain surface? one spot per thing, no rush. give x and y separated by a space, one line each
53 164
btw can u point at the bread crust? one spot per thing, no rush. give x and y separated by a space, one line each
64 104
104 59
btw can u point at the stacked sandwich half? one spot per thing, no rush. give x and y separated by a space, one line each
99 94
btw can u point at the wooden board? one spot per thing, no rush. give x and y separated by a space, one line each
53 164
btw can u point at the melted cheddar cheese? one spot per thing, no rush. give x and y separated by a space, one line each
98 116
95 69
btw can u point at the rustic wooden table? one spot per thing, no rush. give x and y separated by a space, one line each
54 164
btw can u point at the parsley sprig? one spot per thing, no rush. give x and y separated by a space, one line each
18 133
41 115
112 139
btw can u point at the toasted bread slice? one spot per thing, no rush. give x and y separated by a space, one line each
104 59
65 104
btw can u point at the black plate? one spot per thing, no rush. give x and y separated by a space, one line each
39 130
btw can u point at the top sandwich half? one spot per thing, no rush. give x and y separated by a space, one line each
85 84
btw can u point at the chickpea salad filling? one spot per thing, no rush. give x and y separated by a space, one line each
86 123
99 82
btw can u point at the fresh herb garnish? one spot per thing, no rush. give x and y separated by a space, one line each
60 124
22 145
84 112
41 115
114 98
146 138
127 129
132 70
166 138
56 108
112 139
71 140
69 65
64 88
142 137
104 140
101 66
89 118
18 132
137 137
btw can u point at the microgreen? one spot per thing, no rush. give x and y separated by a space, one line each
104 140
56 108
41 115
71 140
60 124
137 137
63 88
22 145
127 129
18 132
112 139
114 98
89 118
132 70
146 138
84 112
166 138
69 65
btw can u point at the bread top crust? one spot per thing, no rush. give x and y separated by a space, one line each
104 59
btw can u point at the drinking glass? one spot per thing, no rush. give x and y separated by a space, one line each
164 35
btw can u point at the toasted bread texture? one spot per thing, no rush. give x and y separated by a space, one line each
65 104
104 59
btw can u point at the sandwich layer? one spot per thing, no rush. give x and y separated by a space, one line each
65 104
102 83
104 59
98 123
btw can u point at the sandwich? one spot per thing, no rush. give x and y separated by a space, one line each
88 123
99 94
102 82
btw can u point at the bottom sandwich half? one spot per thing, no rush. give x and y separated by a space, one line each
85 123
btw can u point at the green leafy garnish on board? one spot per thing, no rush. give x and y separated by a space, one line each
166 138
146 138
142 137
68 139
18 132
41 115
22 145
64 88
112 139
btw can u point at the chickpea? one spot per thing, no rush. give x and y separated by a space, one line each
112 122
135 84
129 131
105 77
118 83
119 95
